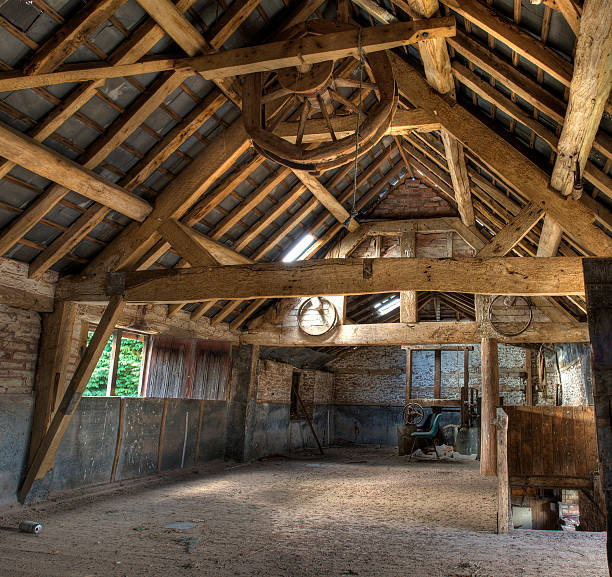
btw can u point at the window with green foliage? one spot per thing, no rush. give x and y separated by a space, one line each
128 368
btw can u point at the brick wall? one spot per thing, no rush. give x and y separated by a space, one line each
19 335
412 199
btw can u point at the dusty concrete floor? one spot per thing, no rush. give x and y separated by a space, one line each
355 512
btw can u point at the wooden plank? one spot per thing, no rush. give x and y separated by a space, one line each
504 505
550 482
490 400
275 55
131 50
547 454
589 91
196 454
43 458
505 73
30 154
501 158
413 334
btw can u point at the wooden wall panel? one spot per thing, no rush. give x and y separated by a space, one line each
551 442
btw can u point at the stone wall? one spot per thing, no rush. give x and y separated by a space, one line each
19 335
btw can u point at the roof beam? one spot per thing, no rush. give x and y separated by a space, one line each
262 58
512 276
185 241
588 94
501 158
171 19
39 159
459 176
327 199
414 334
434 52
507 238
316 130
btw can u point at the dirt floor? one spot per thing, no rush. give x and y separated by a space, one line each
359 511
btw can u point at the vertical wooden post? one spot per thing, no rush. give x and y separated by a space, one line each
111 382
437 386
43 459
598 288
119 438
54 352
408 374
504 510
162 433
465 390
490 399
408 299
529 379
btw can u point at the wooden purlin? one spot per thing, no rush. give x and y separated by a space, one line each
260 58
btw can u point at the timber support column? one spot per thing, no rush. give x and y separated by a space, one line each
598 287
488 413
409 310
241 401
53 356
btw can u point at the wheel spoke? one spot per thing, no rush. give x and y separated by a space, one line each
304 114
326 117
346 102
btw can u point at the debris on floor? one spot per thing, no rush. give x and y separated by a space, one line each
180 525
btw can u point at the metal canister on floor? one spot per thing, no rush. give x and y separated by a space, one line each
30 527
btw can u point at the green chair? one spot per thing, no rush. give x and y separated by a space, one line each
431 434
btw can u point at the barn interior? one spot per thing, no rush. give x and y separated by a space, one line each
332 275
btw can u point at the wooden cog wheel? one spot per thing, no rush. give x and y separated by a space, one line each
327 95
